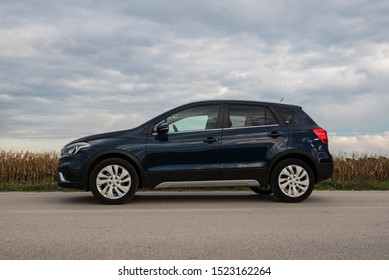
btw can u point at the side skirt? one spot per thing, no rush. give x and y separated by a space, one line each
204 184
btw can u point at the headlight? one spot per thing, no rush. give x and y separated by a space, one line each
73 149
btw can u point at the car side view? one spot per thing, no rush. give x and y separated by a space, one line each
268 147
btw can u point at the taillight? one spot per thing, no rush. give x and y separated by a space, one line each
321 134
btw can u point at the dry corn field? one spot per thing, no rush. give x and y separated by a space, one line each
27 167
32 168
360 168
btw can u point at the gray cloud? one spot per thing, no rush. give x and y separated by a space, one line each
72 69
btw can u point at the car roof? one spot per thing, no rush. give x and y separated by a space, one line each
245 102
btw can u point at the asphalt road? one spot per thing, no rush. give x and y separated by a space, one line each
194 225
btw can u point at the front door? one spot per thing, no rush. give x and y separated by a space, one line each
190 150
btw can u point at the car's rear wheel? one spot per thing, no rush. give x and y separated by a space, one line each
292 180
262 190
113 181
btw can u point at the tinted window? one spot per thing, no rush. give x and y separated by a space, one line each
302 118
286 114
295 117
192 119
246 115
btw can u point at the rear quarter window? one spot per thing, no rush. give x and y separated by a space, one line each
295 117
286 114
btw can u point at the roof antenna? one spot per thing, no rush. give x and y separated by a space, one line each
281 100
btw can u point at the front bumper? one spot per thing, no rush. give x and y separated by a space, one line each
67 181
69 177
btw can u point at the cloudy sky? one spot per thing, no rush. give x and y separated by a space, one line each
74 68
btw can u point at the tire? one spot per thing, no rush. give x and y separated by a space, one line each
292 180
262 190
113 181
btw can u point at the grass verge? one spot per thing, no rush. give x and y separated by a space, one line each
39 187
353 186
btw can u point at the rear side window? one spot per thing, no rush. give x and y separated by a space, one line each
298 117
286 114
246 116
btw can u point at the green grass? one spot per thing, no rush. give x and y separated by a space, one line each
353 186
39 187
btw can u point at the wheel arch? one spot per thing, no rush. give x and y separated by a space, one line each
119 155
294 154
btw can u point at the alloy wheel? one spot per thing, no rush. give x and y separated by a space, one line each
113 181
293 180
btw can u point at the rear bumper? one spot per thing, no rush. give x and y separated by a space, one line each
325 170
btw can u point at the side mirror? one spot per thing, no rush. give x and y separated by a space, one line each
162 131
163 128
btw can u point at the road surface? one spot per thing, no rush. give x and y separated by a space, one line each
194 225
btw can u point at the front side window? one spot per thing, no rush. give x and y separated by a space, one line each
192 119
247 115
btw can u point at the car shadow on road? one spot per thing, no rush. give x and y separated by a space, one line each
176 197
214 197
196 197
86 198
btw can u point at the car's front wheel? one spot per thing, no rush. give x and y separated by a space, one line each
292 180
113 181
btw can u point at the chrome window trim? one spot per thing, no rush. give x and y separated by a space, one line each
255 126
191 131
226 128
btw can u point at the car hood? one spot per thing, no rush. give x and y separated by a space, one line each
99 136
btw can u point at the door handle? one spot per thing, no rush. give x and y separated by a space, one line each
211 140
275 134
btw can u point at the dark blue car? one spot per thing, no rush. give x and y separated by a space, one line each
269 147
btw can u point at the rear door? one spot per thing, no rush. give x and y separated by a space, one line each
251 138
